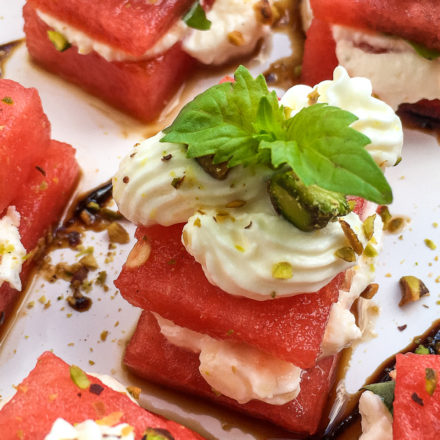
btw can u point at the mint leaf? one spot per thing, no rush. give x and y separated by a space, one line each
332 155
423 51
385 390
221 120
242 123
196 18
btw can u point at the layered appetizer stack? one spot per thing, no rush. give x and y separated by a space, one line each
136 54
257 233
37 178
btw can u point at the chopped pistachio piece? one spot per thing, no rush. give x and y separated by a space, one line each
139 254
117 233
89 261
370 251
370 291
431 379
157 434
346 253
368 226
384 213
421 349
430 244
58 40
236 204
351 237
282 270
135 392
79 378
412 289
395 225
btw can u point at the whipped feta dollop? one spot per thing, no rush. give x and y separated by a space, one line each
377 421
235 369
235 31
241 253
89 430
398 73
12 252
143 186
376 119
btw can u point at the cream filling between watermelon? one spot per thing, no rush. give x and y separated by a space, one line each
213 46
12 252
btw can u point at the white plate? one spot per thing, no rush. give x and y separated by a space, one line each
101 137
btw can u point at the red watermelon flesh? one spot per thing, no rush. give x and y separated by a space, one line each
173 284
414 418
49 393
24 136
141 88
409 19
41 202
319 59
151 356
133 26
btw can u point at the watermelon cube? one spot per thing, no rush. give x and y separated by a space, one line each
49 393
24 135
172 284
38 178
151 356
409 19
141 88
416 412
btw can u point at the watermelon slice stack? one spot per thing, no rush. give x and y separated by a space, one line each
171 283
50 392
38 175
414 21
140 87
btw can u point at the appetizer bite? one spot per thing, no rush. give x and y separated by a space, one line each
57 401
394 43
250 253
407 407
136 54
37 178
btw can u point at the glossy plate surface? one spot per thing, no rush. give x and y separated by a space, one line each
102 136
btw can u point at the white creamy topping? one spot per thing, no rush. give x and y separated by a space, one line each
377 422
89 430
235 369
149 197
213 46
376 119
341 328
12 252
398 73
229 18
241 259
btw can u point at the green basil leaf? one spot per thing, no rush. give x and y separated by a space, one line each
196 18
385 390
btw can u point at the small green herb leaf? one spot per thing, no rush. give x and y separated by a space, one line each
423 51
385 390
79 378
196 17
332 155
242 123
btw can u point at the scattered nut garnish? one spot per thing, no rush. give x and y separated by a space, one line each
235 204
412 289
313 97
370 251
135 392
431 379
139 254
236 38
89 261
370 291
177 182
368 226
117 233
429 243
395 225
384 213
351 237
346 253
282 270
265 12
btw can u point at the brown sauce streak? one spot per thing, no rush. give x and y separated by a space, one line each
285 72
6 50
